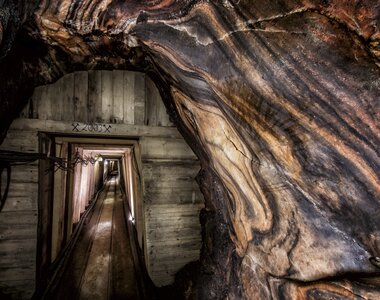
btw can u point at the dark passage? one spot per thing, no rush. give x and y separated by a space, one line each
101 264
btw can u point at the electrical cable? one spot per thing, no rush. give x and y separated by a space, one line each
10 158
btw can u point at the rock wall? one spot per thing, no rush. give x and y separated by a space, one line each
279 99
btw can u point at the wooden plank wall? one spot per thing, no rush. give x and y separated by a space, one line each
132 104
18 221
172 201
116 97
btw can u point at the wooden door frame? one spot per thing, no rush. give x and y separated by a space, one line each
45 194
46 190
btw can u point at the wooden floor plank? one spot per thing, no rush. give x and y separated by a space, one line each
101 265
123 281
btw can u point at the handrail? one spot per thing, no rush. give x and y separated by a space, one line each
146 285
59 265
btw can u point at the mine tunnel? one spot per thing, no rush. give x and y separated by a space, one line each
164 149
98 209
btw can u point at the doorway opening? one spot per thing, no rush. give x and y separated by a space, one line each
85 170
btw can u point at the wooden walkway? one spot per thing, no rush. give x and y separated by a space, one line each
101 264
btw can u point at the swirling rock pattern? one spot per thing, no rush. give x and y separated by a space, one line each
279 99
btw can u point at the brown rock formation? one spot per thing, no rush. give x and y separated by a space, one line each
279 99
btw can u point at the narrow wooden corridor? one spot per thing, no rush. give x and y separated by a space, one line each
70 131
101 264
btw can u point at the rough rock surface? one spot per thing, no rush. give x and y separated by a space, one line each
279 99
